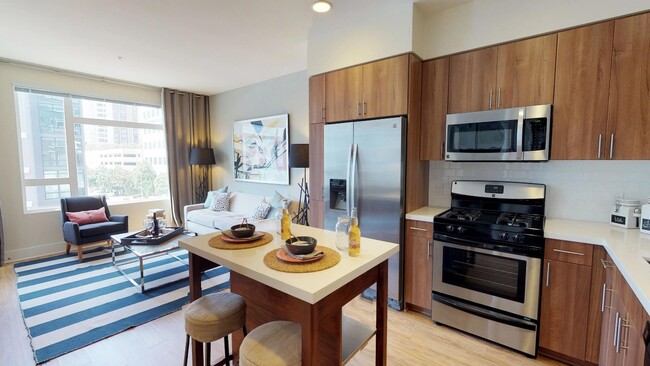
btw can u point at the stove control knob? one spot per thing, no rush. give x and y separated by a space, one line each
461 230
503 236
517 237
450 228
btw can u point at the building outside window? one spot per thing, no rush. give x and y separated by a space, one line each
113 148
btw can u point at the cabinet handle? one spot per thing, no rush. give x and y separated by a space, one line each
498 98
548 272
428 248
606 264
625 323
364 108
358 108
322 114
603 301
490 99
567 252
611 147
417 228
322 193
600 143
616 331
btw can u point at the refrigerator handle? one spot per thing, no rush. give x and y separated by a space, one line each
353 200
348 182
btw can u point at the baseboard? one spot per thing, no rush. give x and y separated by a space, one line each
18 255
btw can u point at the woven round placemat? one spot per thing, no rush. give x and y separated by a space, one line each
219 243
330 259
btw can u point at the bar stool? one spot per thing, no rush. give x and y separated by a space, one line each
277 343
212 317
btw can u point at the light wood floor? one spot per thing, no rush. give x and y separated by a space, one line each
413 339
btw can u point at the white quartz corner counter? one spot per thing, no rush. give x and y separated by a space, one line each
425 213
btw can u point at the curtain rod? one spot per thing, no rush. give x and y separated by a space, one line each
75 73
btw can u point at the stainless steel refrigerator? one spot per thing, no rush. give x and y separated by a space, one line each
365 168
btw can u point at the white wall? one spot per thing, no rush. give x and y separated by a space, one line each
485 22
286 94
32 235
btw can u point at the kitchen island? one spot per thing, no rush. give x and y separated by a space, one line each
315 300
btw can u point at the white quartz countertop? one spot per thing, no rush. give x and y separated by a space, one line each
628 248
310 287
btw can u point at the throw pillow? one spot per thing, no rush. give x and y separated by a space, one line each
276 204
261 210
208 199
220 201
88 217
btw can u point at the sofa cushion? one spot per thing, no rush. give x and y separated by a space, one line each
208 199
220 201
100 228
261 210
215 219
88 217
276 205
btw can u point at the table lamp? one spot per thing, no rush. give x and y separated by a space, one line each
203 157
299 158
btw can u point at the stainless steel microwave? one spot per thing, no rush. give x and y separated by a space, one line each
512 134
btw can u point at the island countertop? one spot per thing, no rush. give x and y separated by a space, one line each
309 287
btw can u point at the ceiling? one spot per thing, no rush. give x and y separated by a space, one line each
203 46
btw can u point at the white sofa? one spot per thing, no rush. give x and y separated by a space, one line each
203 220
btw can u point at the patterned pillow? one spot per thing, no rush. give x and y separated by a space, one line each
261 210
220 201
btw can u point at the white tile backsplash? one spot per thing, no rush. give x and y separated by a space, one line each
578 190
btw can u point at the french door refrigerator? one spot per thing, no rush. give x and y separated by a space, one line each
364 168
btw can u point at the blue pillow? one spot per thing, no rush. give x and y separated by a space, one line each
276 205
208 200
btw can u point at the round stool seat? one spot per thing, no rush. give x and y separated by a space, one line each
272 344
214 316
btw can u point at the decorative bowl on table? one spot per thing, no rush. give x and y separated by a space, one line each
243 230
301 244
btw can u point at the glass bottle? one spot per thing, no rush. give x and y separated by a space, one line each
354 235
342 226
286 221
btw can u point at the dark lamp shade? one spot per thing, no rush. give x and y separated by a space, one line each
299 156
201 156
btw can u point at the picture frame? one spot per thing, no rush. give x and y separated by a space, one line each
261 150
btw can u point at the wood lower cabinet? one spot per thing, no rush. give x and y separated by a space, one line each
372 90
418 265
435 91
584 61
566 286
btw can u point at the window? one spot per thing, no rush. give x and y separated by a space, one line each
108 146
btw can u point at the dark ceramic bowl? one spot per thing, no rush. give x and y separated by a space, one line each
301 244
243 230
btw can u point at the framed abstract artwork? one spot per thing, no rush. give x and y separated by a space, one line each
261 150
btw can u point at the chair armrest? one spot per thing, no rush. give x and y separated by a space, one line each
124 219
71 232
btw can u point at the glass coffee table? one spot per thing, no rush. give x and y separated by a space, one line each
142 252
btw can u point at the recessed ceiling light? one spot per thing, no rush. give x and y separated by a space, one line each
322 6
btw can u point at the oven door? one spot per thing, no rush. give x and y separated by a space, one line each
503 281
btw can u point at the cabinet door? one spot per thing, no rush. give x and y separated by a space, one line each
565 307
584 60
599 269
629 111
418 264
609 304
343 94
526 72
472 80
435 89
385 87
317 99
316 174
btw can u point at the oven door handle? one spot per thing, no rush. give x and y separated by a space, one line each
471 243
484 313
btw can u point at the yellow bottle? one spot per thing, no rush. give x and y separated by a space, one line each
354 235
285 221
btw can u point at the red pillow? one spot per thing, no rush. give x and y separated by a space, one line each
87 217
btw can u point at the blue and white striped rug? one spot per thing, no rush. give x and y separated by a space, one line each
68 305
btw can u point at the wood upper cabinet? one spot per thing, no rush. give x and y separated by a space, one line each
316 175
317 99
584 60
435 88
628 121
515 74
372 90
418 265
565 299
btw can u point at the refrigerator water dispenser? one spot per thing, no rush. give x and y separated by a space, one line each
338 197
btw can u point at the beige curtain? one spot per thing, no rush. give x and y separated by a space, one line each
187 124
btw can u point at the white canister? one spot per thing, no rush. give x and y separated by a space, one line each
645 218
623 213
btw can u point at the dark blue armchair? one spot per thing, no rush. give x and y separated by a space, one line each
78 235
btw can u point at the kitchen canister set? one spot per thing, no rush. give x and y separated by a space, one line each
630 214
